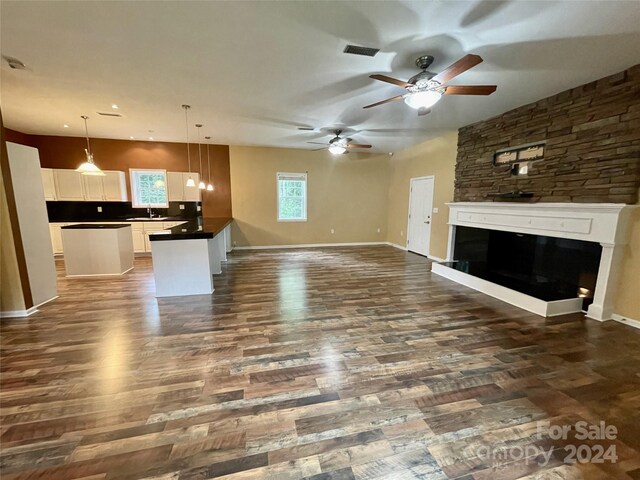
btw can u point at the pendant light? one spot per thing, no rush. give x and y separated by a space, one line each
88 167
210 186
201 185
190 181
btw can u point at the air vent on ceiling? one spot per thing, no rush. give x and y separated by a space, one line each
366 51
109 114
14 63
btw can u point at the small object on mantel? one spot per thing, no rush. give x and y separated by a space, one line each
515 195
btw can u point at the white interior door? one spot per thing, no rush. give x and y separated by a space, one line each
420 213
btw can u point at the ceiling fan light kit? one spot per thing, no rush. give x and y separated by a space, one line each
426 88
423 99
337 149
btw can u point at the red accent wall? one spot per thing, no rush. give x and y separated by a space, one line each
68 152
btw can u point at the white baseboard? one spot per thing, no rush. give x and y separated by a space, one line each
24 313
435 259
18 313
626 320
100 274
395 245
310 245
519 299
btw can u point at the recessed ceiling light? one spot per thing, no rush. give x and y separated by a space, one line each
66 126
114 106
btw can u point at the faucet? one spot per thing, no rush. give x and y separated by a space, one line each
150 211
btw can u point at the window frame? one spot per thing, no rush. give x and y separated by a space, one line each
134 189
301 177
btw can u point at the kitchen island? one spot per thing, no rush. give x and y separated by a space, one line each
186 257
97 249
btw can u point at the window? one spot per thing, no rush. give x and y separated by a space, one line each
292 197
149 188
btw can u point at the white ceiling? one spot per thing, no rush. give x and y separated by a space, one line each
255 71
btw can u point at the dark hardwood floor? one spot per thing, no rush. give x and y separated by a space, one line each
320 363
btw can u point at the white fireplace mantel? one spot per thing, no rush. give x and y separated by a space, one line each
603 223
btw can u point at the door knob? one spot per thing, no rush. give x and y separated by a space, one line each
426 221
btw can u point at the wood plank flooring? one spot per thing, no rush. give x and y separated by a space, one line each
344 363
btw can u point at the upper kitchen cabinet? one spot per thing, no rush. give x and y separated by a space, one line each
48 183
177 187
69 185
115 186
93 188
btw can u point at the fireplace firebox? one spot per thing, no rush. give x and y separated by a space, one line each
543 267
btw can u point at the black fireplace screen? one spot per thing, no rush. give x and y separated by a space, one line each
547 268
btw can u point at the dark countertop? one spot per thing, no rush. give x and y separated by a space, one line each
201 227
128 220
95 226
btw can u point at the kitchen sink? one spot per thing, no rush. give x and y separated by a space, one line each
147 219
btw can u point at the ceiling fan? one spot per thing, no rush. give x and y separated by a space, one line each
338 145
425 88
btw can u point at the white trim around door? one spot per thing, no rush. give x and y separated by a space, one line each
421 191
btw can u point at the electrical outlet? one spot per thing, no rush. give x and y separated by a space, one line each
378 230
332 231
402 233
435 210
198 208
181 207
99 209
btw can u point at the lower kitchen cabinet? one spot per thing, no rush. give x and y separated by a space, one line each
140 232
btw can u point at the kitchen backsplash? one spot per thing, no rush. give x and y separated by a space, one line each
115 211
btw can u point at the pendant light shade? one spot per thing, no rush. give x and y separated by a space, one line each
88 167
210 185
190 181
201 185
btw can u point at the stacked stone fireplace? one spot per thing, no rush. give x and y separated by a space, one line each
583 189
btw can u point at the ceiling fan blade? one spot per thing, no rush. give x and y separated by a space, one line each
392 99
423 111
318 143
470 90
356 145
462 65
318 149
394 81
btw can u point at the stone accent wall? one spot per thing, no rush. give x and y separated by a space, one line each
592 152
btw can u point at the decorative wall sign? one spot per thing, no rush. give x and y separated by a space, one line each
523 153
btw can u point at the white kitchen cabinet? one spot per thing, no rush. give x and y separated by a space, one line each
93 188
48 183
139 244
69 185
177 189
151 227
56 237
115 186
191 194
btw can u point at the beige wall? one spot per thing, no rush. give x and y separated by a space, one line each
435 157
347 193
628 301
